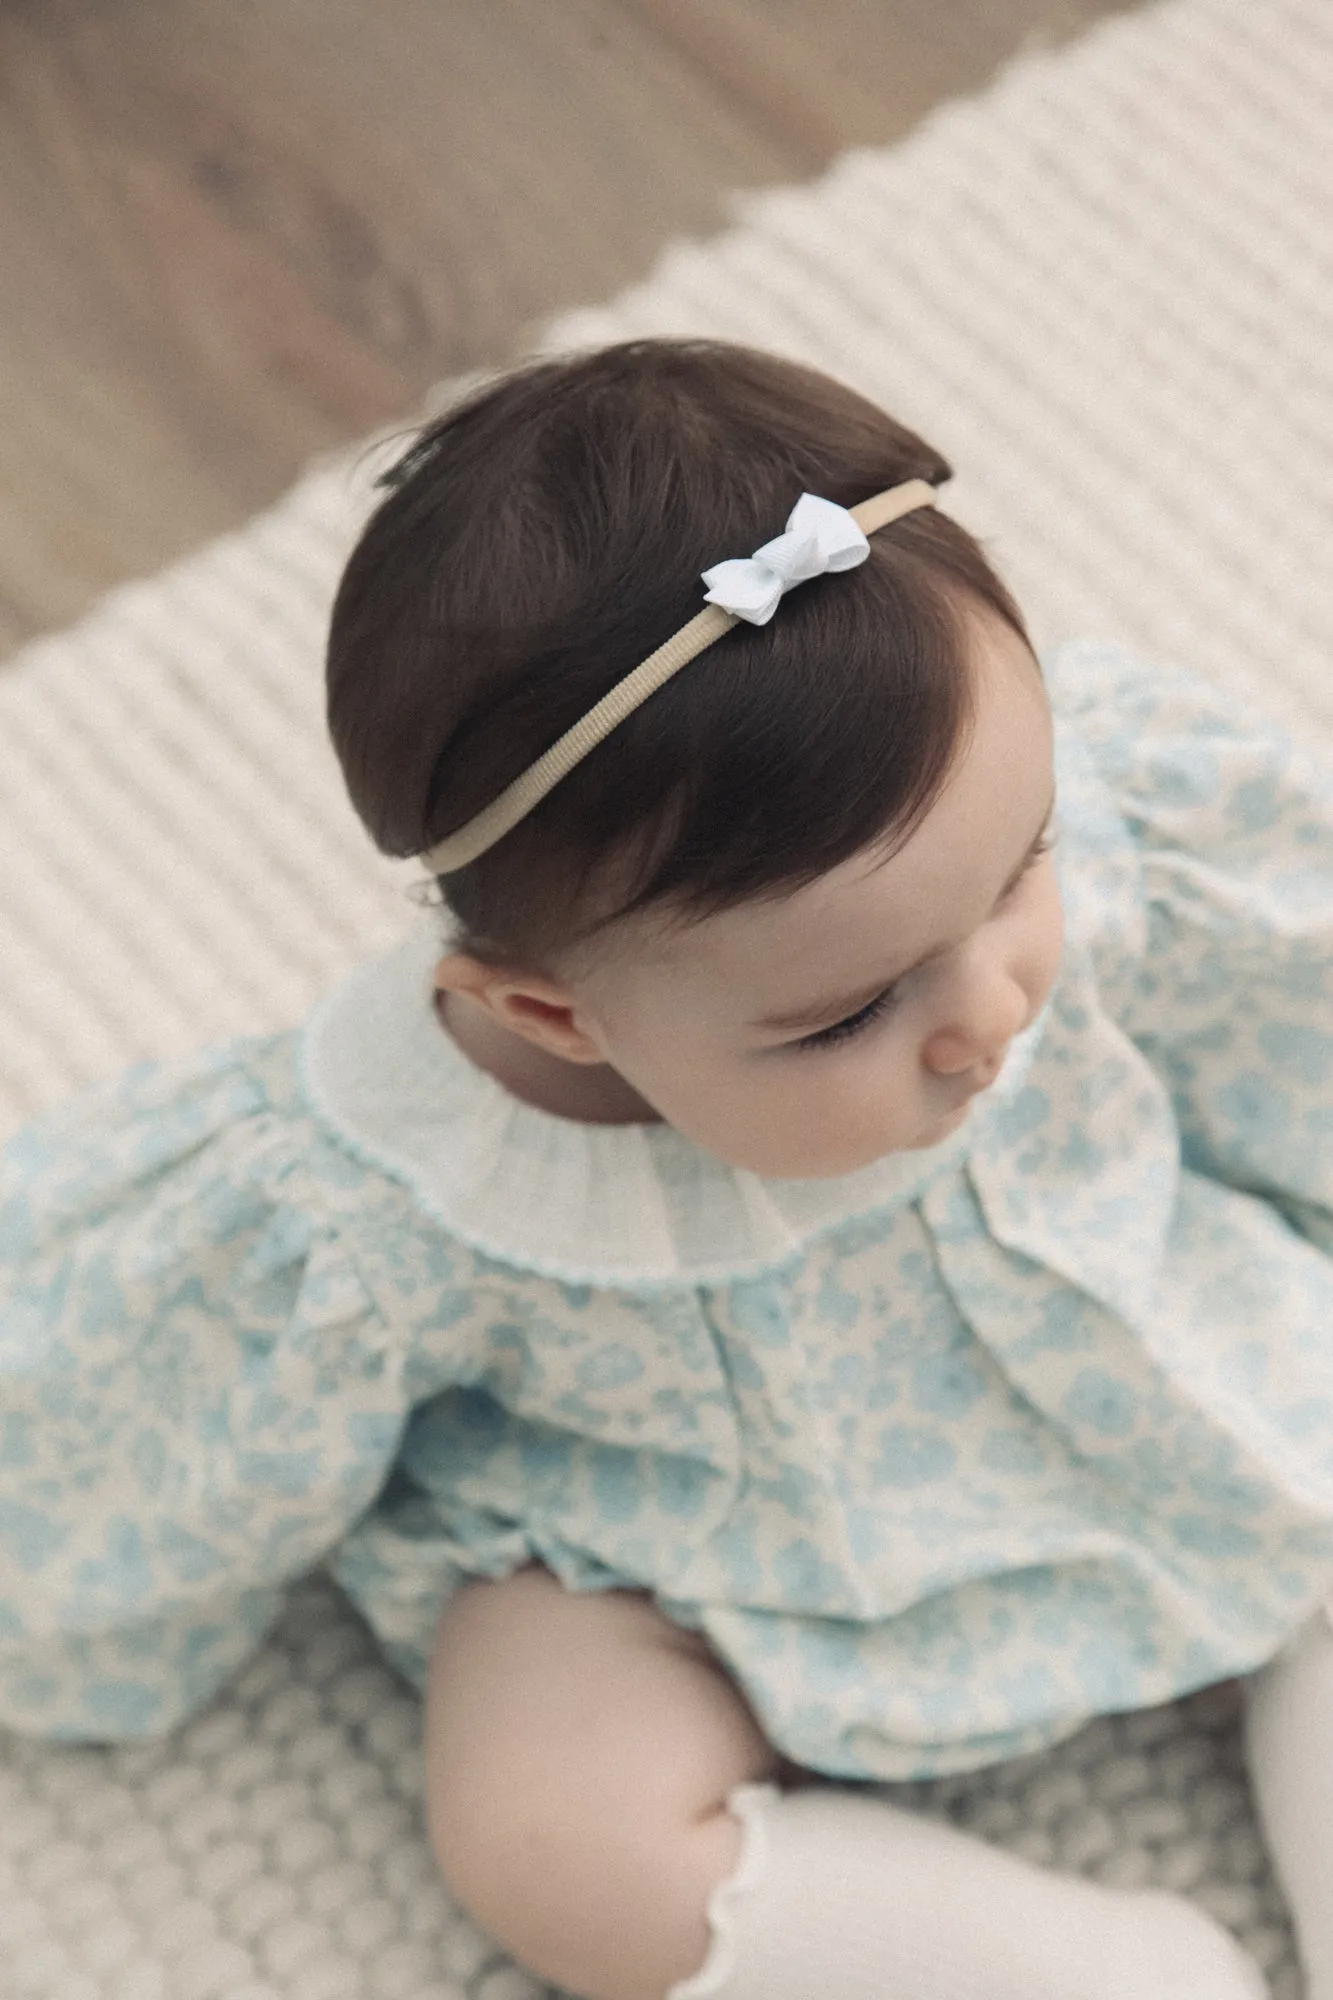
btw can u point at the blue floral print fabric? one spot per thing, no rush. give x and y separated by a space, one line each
1046 1432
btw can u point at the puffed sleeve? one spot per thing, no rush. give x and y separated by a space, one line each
197 1394
1232 1001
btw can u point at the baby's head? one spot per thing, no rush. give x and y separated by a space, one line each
845 803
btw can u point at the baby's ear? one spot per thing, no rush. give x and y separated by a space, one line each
459 972
525 1003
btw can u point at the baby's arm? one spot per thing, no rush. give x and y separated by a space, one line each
177 1450
598 1790
1231 853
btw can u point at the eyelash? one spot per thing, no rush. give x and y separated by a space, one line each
842 1031
856 1024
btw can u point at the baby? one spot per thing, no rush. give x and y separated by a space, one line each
817 1270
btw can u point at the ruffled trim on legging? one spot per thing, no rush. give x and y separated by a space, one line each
744 1803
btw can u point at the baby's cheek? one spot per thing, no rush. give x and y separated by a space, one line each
872 1106
1047 944
1057 934
795 1129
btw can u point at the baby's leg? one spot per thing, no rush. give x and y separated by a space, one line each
581 1752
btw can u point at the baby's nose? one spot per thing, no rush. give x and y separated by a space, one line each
978 1037
949 1054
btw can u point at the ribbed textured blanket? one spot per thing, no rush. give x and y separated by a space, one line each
1105 289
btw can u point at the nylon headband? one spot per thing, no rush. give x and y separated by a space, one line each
508 807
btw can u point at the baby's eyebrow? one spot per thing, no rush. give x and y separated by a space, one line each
818 1012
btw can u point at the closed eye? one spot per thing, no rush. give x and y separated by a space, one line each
853 1025
874 1010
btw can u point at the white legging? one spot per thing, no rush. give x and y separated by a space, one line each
1288 1731
839 1894
843 1895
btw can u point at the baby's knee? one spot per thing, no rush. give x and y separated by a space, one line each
604 1909
579 1755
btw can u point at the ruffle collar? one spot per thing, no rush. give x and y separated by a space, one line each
589 1204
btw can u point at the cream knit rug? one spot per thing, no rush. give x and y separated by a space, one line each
1106 288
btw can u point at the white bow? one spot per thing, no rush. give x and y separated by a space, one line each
820 536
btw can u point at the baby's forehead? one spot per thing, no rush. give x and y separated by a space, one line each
901 893
765 931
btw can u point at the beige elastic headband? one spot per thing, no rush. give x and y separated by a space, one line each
820 537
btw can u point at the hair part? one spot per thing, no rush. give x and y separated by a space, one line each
548 533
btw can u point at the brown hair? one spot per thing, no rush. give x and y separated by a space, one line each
542 538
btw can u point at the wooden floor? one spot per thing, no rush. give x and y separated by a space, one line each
235 231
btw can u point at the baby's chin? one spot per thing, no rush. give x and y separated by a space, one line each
933 1133
946 1124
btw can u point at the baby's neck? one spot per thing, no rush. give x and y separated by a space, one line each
591 1093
